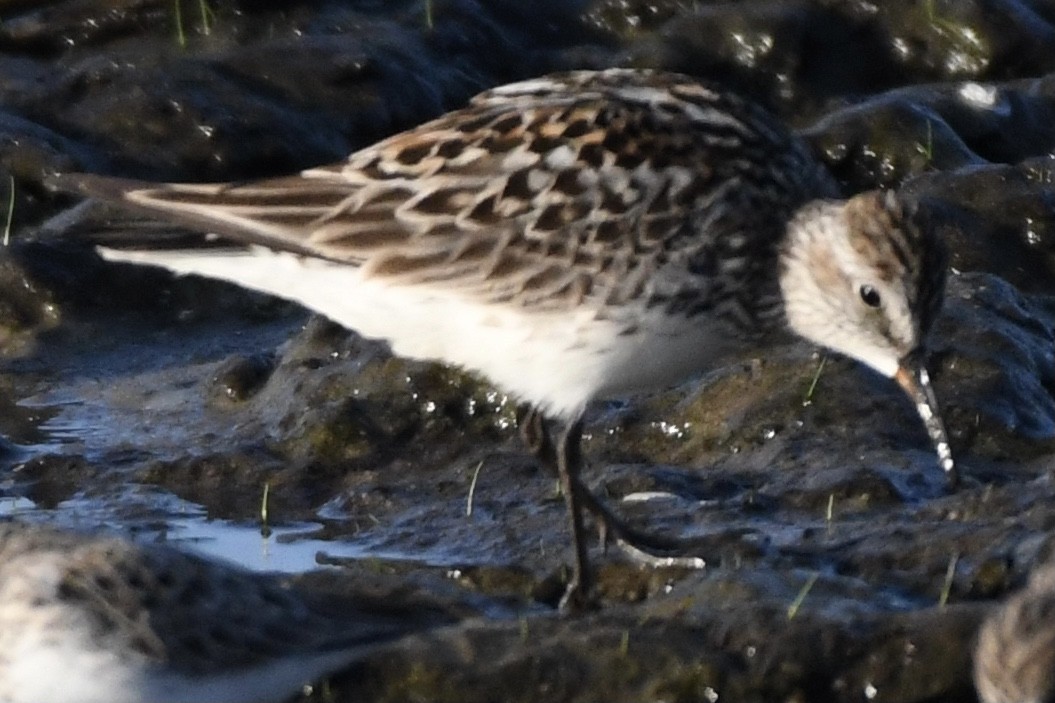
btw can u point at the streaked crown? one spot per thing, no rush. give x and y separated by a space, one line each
864 277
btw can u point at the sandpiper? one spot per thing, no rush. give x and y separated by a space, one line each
89 619
577 236
1014 659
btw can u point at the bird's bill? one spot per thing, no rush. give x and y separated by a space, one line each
913 378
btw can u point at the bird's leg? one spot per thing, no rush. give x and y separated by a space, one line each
569 464
634 542
534 431
535 434
638 545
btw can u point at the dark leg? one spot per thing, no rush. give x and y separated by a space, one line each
569 463
566 459
635 542
535 434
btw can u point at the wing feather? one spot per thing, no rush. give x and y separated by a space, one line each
565 186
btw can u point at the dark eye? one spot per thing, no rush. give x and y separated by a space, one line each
870 296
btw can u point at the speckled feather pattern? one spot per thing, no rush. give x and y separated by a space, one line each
1014 660
581 188
555 235
134 622
194 615
577 235
573 237
889 245
899 243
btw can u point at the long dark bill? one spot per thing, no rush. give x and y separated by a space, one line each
913 378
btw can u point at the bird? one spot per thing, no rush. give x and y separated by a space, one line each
1014 657
574 237
87 618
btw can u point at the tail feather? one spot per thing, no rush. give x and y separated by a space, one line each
243 215
94 186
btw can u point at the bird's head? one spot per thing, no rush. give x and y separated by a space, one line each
865 277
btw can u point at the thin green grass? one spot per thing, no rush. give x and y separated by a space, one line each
10 210
935 19
950 574
205 12
264 504
926 149
472 491
796 604
208 17
808 399
525 629
181 36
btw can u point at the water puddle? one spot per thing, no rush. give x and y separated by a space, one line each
287 549
153 517
26 424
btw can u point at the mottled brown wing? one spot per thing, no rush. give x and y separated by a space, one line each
566 186
199 617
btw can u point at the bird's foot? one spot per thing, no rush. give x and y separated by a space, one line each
578 597
641 547
647 558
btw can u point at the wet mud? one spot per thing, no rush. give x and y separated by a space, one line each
840 566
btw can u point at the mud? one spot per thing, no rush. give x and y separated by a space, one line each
840 567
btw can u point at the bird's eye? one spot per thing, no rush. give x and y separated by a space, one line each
870 295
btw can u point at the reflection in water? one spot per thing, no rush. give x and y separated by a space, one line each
286 548
25 423
289 549
14 506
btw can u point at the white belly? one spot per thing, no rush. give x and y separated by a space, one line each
558 361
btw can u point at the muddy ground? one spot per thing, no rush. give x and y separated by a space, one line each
840 568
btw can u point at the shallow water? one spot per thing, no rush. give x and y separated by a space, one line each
161 408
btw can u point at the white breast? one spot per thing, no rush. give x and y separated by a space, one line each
558 361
